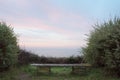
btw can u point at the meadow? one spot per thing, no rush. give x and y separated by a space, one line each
58 73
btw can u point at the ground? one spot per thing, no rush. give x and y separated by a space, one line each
31 73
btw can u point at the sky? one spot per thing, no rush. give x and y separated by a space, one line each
55 27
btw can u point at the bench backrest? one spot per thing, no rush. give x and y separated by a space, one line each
64 65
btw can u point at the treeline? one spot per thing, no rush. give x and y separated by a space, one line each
26 57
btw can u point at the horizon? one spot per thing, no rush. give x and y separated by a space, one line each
56 27
53 52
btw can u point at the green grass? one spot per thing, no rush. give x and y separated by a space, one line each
61 70
58 73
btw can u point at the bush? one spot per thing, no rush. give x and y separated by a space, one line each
73 59
103 48
8 46
25 57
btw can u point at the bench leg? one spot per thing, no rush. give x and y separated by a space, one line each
73 69
49 69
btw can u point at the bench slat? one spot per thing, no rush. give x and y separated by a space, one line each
64 65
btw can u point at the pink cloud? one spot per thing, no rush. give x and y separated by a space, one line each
27 41
62 22
34 23
60 16
55 16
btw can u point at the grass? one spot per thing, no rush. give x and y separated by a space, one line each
58 73
61 70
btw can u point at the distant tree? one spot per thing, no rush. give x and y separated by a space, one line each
8 46
26 57
103 47
74 59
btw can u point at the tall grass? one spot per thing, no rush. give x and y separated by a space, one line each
58 73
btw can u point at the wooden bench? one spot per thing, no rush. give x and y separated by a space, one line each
75 67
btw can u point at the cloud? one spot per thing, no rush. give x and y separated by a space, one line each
57 19
41 23
38 42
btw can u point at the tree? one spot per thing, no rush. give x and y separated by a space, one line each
103 47
8 46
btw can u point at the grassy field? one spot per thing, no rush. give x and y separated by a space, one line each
58 73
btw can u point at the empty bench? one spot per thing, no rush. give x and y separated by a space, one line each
75 67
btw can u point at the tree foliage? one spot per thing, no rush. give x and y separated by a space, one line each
103 47
26 57
8 46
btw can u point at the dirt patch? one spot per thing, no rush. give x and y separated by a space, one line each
23 76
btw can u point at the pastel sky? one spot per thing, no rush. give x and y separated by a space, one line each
55 27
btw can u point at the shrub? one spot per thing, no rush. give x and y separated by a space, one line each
8 46
73 59
25 57
103 47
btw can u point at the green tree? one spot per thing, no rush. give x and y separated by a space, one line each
103 47
8 46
